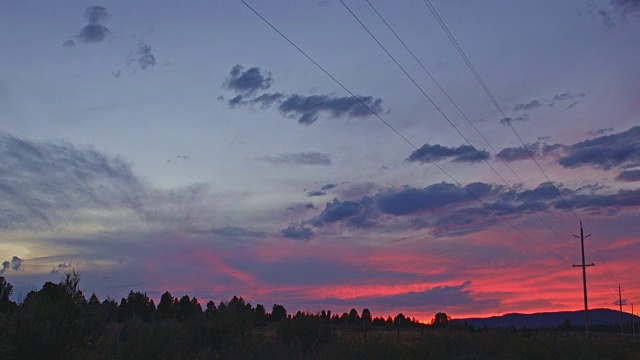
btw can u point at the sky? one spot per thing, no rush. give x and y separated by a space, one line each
192 148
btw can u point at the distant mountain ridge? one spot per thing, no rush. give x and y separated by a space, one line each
551 319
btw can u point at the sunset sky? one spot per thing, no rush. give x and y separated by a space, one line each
160 145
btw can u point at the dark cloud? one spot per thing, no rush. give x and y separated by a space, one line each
309 206
236 232
41 183
96 14
450 210
462 153
60 268
247 82
340 210
268 99
508 120
629 175
307 108
5 266
16 263
328 187
303 158
513 154
528 106
412 200
145 58
537 149
93 33
69 43
298 232
605 152
600 131
566 96
315 193
626 6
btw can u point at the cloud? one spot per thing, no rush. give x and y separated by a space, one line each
307 108
145 58
303 158
268 99
629 175
606 18
15 265
43 182
328 187
60 268
237 232
600 131
69 43
528 106
507 120
626 6
446 209
96 14
412 200
340 210
298 232
605 152
567 96
462 153
247 82
315 193
94 31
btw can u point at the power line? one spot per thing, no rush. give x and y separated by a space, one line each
488 92
466 118
399 134
490 95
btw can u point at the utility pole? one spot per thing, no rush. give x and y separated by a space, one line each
584 281
633 323
620 302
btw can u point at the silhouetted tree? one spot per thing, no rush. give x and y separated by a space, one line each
211 309
353 316
166 308
278 312
366 316
260 315
440 320
137 304
6 289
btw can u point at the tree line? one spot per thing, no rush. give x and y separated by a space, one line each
58 321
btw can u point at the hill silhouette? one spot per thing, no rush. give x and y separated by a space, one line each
551 319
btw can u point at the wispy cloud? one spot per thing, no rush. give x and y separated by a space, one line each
462 153
534 104
303 158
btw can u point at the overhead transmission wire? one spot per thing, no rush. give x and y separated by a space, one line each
472 125
400 134
495 102
444 27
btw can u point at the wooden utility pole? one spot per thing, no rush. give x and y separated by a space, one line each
584 281
620 302
633 323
